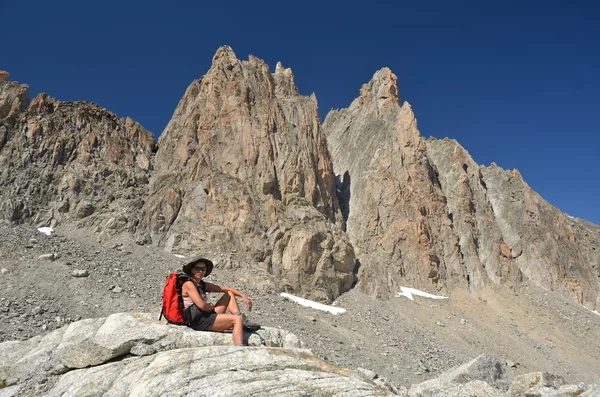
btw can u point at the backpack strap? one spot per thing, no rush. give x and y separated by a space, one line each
182 278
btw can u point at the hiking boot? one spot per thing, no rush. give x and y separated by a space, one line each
250 326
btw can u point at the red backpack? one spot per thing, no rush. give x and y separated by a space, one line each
172 307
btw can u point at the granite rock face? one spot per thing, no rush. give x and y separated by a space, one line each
70 162
502 224
243 168
132 354
397 218
14 97
485 376
423 213
129 354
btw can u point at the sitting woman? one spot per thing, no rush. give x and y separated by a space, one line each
203 316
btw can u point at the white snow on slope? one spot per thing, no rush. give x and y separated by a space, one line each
313 304
593 311
46 230
409 292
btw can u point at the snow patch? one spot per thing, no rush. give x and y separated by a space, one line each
179 256
409 292
313 304
46 230
593 311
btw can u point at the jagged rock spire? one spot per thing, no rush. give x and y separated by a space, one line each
381 90
224 55
244 155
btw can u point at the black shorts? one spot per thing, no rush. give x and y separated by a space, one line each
198 319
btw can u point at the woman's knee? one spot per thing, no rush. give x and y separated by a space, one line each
238 320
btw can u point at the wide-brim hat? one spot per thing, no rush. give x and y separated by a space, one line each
187 268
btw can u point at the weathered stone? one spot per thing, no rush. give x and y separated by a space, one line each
80 273
483 370
47 257
535 382
496 214
367 373
476 388
168 355
142 349
14 98
592 390
4 75
84 209
67 160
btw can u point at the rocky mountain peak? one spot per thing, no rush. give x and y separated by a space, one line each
285 83
382 90
4 75
244 155
43 103
14 97
424 213
224 56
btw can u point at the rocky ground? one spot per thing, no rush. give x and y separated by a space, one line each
48 281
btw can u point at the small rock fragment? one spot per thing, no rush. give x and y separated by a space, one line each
142 349
80 273
370 375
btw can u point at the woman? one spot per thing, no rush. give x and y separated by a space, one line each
203 316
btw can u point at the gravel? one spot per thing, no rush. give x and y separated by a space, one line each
403 341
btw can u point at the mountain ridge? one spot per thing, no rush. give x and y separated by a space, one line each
243 132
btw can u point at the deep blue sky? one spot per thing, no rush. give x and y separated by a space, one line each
515 84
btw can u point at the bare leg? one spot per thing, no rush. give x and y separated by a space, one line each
227 302
228 321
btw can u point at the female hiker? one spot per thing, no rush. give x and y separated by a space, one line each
203 316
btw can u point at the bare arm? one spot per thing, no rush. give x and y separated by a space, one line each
189 289
221 288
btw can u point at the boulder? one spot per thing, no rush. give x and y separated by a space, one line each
541 384
129 354
484 374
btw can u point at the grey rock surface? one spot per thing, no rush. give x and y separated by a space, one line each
507 232
481 369
129 354
71 162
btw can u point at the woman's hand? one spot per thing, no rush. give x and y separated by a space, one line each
247 302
